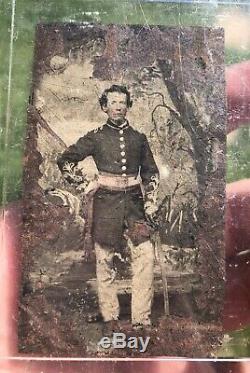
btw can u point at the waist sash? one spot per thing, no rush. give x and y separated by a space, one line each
117 182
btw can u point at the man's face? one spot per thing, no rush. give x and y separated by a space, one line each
116 108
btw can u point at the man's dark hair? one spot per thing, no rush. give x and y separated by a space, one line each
103 100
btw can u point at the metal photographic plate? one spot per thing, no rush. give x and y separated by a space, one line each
123 192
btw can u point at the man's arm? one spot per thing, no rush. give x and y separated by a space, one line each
150 180
75 153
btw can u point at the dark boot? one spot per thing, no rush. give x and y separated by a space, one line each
94 317
110 327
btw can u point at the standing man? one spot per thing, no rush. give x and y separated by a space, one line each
125 203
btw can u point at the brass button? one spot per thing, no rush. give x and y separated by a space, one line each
122 146
124 160
122 138
124 174
124 168
122 154
121 132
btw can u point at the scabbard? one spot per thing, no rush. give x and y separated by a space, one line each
160 258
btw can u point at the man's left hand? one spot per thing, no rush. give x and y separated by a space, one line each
151 214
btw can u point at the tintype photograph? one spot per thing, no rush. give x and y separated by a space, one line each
123 193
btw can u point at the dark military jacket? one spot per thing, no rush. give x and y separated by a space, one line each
120 151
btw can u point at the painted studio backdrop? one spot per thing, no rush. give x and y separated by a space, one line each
176 80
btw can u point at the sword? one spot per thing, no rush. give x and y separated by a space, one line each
156 238
160 258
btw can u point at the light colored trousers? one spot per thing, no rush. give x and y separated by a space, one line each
142 262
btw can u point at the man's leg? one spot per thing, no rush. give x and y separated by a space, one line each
142 258
107 290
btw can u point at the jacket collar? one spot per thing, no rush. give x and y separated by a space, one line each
115 126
